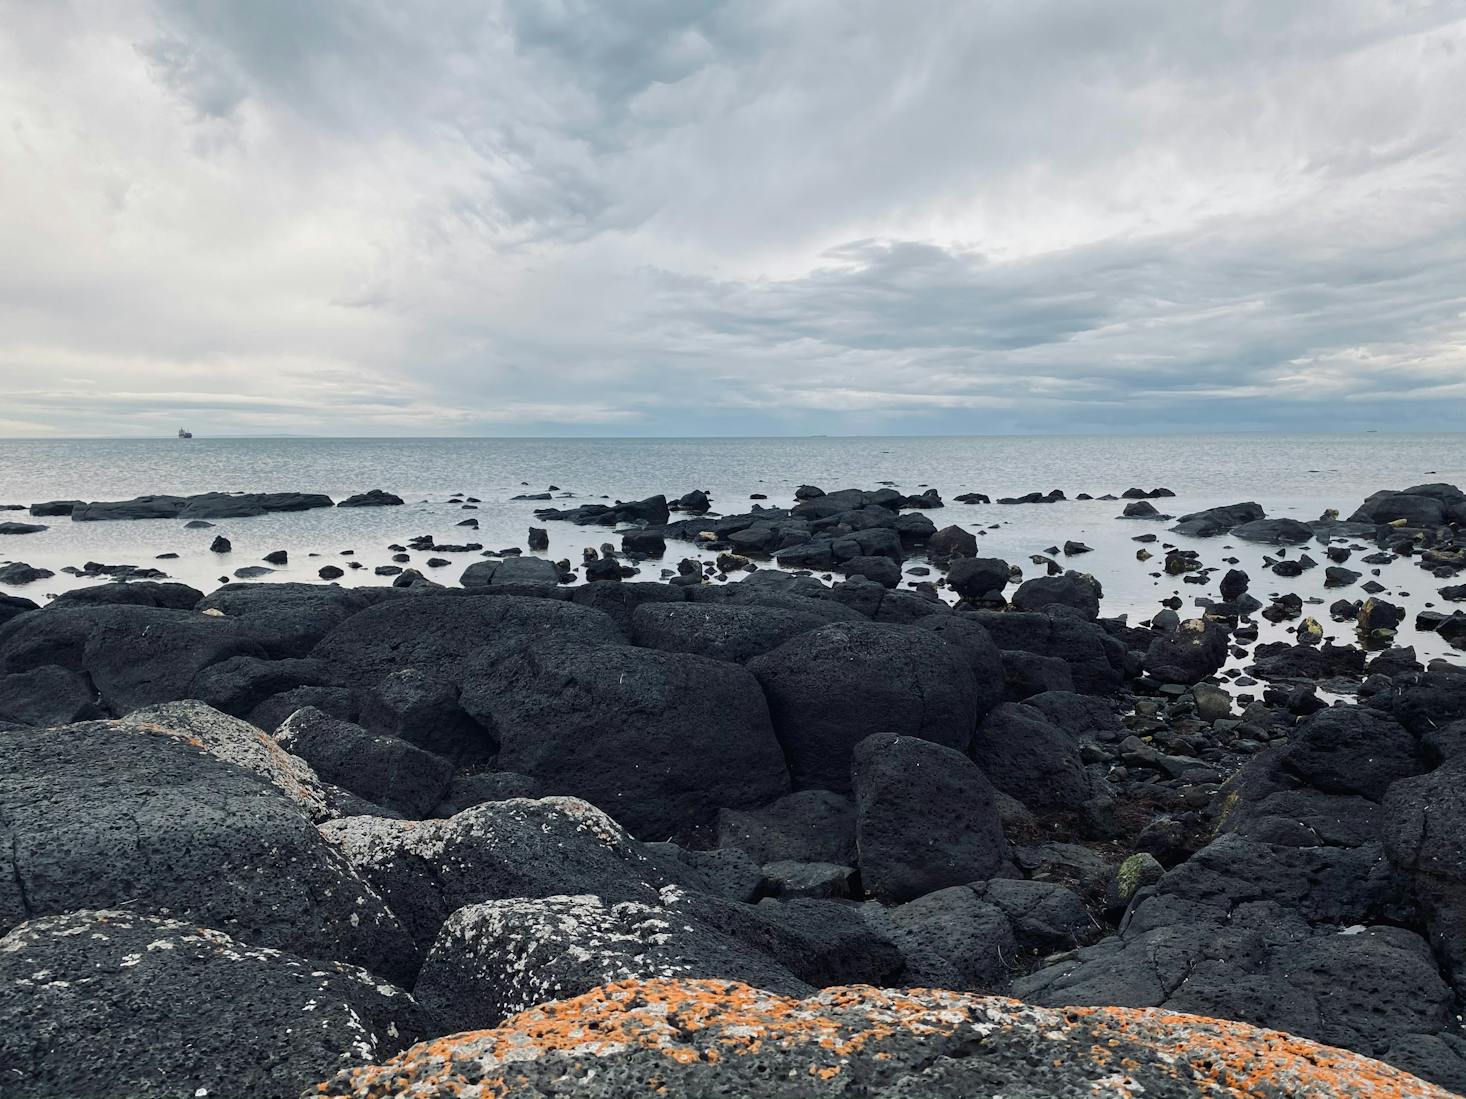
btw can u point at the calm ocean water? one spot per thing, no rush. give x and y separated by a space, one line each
1297 476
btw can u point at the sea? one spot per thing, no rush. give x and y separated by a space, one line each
1290 475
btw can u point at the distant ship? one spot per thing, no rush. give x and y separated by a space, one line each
184 433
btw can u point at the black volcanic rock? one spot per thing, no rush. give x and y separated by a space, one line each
660 740
148 1006
106 813
925 817
374 498
830 688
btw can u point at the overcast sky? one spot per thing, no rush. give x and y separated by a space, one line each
695 216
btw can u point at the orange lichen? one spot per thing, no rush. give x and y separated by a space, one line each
692 1021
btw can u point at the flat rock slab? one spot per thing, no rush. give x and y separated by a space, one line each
705 1037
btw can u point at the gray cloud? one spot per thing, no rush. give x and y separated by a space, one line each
677 216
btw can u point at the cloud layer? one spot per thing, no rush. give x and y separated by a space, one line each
708 216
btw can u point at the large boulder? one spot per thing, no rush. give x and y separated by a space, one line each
1188 654
1420 506
1375 990
723 631
954 938
690 1038
925 818
1352 750
48 695
106 1003
1077 714
238 685
620 599
240 743
496 851
1424 701
286 619
1276 532
423 710
381 769
108 813
830 688
805 826
510 570
443 633
232 505
1029 758
974 577
660 740
133 656
12 606
1218 520
971 638
495 959
133 593
1425 837
1095 660
1077 590
372 498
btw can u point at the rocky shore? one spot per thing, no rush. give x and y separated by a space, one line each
609 826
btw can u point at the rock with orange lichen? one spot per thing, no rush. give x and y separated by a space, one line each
716 1038
108 813
100 1004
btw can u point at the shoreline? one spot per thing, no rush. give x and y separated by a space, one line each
895 761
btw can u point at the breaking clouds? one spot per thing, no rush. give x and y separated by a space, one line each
696 216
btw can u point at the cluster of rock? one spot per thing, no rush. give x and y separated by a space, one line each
207 505
279 833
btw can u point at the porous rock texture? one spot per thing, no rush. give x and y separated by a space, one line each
495 959
704 1038
105 813
100 1004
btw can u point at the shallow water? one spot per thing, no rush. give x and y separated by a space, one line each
1296 476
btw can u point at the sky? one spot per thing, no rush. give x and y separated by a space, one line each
688 217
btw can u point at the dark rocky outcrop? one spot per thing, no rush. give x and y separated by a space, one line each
1028 758
106 1003
723 631
830 688
132 656
1218 520
661 740
108 813
373 498
447 633
208 505
925 817
381 769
